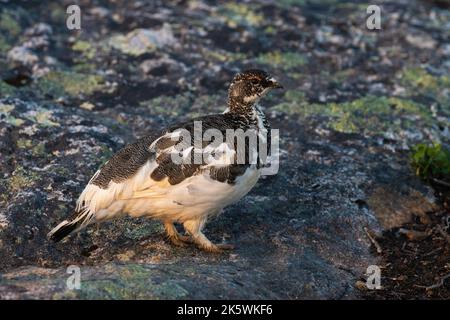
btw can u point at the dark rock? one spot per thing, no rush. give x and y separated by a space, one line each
355 102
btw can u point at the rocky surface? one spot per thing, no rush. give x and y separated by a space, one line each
355 102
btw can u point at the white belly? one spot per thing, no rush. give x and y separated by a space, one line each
196 196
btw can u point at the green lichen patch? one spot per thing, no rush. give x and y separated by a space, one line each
417 78
43 117
374 115
169 106
85 48
24 143
6 108
418 81
61 83
16 122
239 14
36 149
222 55
5 115
295 103
284 60
21 179
131 281
377 115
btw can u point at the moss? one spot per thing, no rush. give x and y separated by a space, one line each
238 14
284 60
418 81
431 161
60 83
21 179
376 114
418 78
365 115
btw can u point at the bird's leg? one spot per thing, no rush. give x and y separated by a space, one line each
194 228
174 236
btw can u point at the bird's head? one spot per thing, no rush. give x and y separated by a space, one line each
249 86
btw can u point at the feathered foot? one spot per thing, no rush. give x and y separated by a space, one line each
175 237
194 227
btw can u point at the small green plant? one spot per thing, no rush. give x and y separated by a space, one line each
431 162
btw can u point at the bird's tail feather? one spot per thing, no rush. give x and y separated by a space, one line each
79 220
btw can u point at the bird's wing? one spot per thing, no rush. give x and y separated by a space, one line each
221 165
147 167
121 175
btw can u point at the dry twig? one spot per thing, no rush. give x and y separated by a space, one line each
373 240
441 182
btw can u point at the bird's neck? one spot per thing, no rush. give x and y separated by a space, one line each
240 106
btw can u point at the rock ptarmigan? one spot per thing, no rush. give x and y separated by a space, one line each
156 178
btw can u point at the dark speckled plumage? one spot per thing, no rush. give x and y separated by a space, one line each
127 161
176 173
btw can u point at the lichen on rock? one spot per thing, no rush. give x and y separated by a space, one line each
355 102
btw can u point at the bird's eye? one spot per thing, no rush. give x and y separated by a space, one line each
255 81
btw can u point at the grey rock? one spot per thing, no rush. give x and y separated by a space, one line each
352 108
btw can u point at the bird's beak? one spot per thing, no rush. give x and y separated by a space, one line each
275 84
